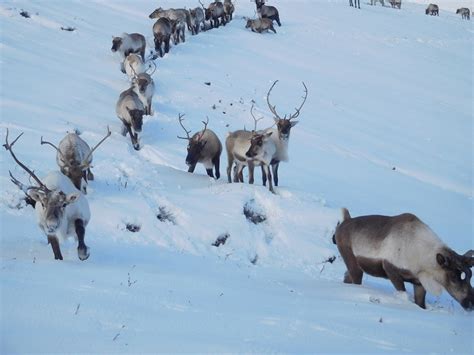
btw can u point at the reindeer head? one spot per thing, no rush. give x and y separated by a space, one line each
54 204
256 144
285 124
136 115
249 23
196 143
116 43
156 13
457 275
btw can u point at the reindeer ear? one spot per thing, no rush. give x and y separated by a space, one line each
267 135
36 195
443 261
293 123
468 258
70 198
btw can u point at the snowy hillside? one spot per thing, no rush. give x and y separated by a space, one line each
387 128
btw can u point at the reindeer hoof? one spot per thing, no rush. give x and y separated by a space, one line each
83 253
136 146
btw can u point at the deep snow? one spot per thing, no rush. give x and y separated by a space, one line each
387 128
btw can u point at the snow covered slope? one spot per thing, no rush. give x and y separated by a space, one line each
387 128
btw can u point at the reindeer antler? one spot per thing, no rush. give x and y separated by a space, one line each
255 118
63 158
8 146
180 118
84 161
205 128
297 113
202 5
273 107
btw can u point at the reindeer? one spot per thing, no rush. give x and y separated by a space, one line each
265 11
281 134
465 13
396 3
237 144
214 12
229 10
260 25
181 16
61 209
144 87
130 111
203 147
261 150
134 65
74 158
162 31
403 249
197 20
374 2
129 43
432 10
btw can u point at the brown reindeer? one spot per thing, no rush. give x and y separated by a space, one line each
403 249
203 147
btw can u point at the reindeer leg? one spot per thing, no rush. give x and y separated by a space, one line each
216 162
420 294
82 249
275 172
251 173
264 176
191 168
167 45
229 170
269 177
210 173
393 275
53 240
354 272
90 176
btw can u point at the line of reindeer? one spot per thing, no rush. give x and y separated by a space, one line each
399 248
432 9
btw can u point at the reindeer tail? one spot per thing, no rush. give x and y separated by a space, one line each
345 216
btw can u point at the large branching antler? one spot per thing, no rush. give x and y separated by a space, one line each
202 5
297 113
84 163
8 146
255 118
273 107
205 128
180 119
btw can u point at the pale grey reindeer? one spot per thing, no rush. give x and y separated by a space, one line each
265 11
129 43
403 249
355 3
203 147
214 12
61 209
74 158
197 20
134 65
374 2
130 111
432 10
229 10
396 3
144 86
162 31
260 25
181 16
465 13
281 134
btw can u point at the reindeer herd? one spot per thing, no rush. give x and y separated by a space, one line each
432 9
399 248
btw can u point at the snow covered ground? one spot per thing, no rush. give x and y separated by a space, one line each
387 128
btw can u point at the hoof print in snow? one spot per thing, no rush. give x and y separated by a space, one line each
374 300
69 29
221 240
165 216
25 14
133 227
254 259
252 215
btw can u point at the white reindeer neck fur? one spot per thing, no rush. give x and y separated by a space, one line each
281 153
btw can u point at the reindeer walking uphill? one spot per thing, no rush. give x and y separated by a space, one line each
61 209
